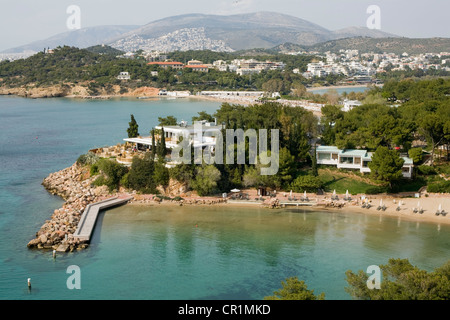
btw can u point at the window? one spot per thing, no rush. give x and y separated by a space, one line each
347 160
324 156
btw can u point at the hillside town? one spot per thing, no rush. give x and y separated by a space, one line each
178 40
363 67
356 67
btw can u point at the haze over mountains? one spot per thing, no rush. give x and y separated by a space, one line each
203 31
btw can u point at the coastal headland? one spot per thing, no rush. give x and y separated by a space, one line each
74 185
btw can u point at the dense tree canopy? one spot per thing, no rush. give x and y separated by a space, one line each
294 289
402 281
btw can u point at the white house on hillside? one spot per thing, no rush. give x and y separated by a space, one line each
350 104
172 134
354 159
124 76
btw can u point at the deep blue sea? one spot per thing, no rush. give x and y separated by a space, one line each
161 253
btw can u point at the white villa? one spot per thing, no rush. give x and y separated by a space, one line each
354 159
350 104
173 134
206 140
124 76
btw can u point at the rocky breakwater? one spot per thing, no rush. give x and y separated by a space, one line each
73 184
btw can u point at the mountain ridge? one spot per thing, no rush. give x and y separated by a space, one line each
397 45
239 31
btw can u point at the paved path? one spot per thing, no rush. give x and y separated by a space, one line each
88 219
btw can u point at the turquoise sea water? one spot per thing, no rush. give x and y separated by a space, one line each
140 252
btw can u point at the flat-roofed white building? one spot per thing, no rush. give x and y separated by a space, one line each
350 104
172 135
124 76
353 159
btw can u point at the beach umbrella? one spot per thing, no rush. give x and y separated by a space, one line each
305 194
381 202
334 192
290 193
440 207
235 190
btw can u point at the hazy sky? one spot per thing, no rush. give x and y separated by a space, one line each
24 21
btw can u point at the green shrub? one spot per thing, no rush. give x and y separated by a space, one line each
306 183
100 181
113 173
426 170
140 177
89 158
94 170
375 190
161 174
205 181
124 181
416 154
439 187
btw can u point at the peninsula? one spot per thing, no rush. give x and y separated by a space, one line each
388 158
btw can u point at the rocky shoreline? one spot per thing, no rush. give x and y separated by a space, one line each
73 184
71 90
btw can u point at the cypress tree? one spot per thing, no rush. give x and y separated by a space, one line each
153 144
315 173
162 145
133 129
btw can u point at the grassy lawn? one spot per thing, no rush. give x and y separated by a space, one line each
335 180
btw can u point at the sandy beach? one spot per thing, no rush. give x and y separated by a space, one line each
335 87
429 204
232 100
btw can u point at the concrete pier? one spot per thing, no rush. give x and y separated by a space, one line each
89 217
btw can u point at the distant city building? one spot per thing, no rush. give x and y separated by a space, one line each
197 67
350 104
195 63
124 76
167 64
245 71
